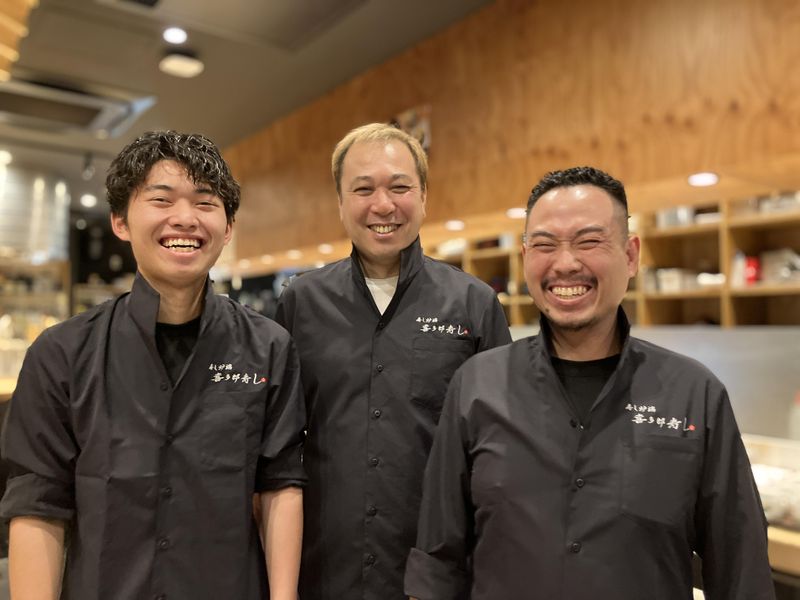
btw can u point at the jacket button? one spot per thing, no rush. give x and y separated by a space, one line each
376 414
379 368
573 423
381 325
163 544
369 559
374 461
170 438
580 482
575 547
166 491
372 511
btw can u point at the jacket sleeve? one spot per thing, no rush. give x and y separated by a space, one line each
493 324
731 527
284 313
281 462
38 442
437 568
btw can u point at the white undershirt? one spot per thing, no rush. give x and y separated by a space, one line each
382 291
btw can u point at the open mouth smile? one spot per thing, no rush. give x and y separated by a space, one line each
567 292
384 228
181 244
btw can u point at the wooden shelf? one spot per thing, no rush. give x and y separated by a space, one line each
484 253
765 220
685 230
767 289
710 292
515 300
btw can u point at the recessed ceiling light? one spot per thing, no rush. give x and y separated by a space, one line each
325 249
80 224
244 263
454 225
703 179
181 64
294 254
88 200
5 157
175 35
516 213
267 259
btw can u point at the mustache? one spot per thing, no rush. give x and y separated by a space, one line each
587 281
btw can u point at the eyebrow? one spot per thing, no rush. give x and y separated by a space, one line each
168 188
579 233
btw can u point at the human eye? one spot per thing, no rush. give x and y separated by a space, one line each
589 243
363 190
400 188
543 245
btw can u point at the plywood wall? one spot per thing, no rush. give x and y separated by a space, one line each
647 89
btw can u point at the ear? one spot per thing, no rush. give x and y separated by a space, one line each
119 225
341 207
632 249
228 232
424 198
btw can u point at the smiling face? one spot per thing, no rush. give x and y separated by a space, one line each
177 228
578 258
382 203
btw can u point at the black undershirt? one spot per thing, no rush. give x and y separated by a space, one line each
175 344
584 380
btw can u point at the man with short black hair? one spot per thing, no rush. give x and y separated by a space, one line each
140 430
583 463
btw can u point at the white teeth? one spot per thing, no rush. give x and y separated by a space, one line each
181 244
383 228
570 292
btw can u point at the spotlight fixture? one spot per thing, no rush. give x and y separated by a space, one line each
294 254
175 35
703 179
516 213
325 249
88 200
454 225
181 63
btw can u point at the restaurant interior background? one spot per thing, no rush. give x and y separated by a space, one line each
693 104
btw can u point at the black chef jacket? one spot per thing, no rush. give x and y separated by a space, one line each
374 387
156 481
549 508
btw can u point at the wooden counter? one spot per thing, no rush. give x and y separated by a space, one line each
7 386
784 550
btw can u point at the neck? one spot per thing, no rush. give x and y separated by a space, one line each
590 343
179 304
375 270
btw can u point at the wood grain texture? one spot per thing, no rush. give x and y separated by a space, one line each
650 91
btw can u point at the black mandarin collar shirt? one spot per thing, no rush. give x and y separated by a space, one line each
374 385
155 480
523 501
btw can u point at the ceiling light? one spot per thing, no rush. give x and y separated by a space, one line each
454 225
5 157
181 63
175 35
244 263
294 254
89 200
88 167
703 179
80 224
267 259
516 213
325 249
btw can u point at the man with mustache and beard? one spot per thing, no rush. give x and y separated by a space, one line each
583 463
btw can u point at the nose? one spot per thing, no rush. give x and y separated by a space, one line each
382 204
565 260
183 215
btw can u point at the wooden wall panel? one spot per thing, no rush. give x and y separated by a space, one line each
648 90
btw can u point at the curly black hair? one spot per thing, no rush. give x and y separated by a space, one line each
196 153
579 176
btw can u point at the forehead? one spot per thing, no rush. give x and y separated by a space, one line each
166 169
375 158
567 209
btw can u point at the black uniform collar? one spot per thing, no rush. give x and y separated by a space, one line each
623 330
143 303
410 262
